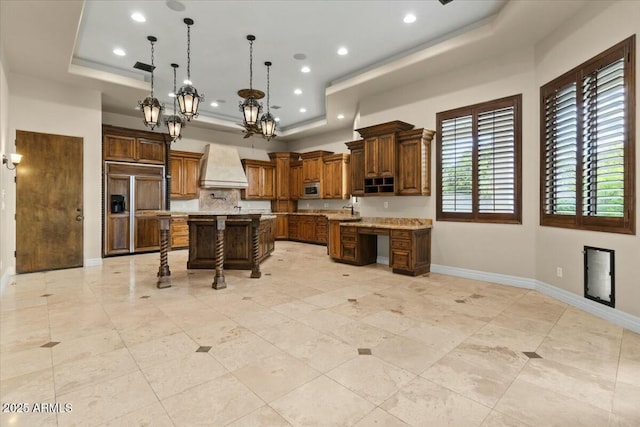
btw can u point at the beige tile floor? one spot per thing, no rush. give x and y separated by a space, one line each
283 350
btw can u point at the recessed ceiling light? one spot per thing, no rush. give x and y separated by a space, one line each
305 69
340 116
138 17
277 119
172 95
298 91
120 52
303 110
187 82
343 51
214 104
409 18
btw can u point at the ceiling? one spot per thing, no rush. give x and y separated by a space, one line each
75 40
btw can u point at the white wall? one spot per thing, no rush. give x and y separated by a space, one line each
7 186
44 106
580 39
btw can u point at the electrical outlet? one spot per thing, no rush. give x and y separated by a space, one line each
326 205
386 205
559 271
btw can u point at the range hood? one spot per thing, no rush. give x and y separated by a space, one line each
221 168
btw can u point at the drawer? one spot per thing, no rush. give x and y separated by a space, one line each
348 251
401 234
179 241
400 259
347 238
351 231
401 244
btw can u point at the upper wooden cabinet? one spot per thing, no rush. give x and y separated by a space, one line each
130 145
336 177
261 177
312 165
356 167
282 162
295 180
392 159
414 162
185 171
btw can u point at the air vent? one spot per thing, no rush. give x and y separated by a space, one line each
276 107
144 67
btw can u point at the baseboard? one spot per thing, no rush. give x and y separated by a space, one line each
613 315
7 277
503 279
92 262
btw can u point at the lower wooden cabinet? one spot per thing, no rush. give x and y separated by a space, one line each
266 238
410 251
307 228
281 231
179 233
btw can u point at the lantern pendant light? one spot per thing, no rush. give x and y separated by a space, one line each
151 107
267 122
174 123
188 97
251 108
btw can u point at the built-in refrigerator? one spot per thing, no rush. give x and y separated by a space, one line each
130 190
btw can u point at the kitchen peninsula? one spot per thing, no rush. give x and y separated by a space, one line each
208 232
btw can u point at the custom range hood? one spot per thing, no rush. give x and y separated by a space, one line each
221 168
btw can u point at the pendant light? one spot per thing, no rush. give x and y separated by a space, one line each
251 108
267 122
188 97
151 107
174 122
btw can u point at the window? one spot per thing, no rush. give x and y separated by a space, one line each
587 143
479 162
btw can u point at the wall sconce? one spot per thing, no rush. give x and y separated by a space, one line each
15 159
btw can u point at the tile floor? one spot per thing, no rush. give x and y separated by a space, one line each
292 348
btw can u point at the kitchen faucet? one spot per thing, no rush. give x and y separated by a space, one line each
349 206
238 207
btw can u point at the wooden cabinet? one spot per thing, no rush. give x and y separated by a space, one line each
410 251
179 233
129 145
295 180
414 162
185 172
380 156
356 167
266 238
335 183
333 245
281 231
308 228
261 177
312 165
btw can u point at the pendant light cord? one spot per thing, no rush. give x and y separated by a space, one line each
174 91
251 68
152 68
189 52
268 89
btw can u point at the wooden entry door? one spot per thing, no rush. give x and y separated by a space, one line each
49 210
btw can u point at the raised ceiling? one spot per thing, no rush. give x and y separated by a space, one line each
373 32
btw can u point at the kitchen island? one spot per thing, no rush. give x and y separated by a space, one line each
208 232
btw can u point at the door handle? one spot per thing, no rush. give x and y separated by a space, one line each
79 217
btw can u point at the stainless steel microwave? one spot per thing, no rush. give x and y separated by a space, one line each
311 190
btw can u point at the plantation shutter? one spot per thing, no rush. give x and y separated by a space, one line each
479 162
457 149
496 161
603 142
561 148
588 144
